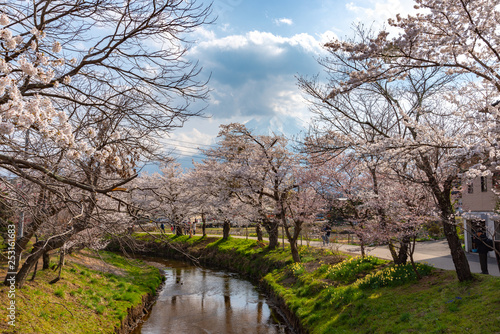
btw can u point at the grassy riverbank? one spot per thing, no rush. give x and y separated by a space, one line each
95 295
337 293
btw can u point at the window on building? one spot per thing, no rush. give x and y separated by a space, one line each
484 184
470 188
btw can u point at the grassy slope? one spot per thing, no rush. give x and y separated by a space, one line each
84 300
328 295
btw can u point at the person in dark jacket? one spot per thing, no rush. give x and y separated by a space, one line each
483 245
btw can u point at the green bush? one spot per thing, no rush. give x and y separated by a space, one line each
347 271
393 276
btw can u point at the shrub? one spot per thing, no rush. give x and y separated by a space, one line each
296 269
347 271
393 276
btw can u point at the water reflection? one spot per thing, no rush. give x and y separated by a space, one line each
197 300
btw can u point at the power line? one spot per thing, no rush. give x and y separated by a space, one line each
186 142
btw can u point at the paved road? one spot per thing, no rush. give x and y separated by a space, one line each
435 253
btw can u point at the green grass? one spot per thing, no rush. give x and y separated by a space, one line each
336 293
84 300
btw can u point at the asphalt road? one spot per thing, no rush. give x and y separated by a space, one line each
435 253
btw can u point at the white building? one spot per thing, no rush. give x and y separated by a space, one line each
479 203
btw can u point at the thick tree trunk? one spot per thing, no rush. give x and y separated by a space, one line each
271 227
460 261
204 224
46 260
403 250
399 256
258 230
30 231
20 246
443 199
179 230
225 229
295 251
32 259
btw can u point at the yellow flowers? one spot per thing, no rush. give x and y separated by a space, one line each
297 269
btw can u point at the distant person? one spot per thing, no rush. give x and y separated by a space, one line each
162 227
483 245
326 234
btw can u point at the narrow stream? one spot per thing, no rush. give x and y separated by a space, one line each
199 300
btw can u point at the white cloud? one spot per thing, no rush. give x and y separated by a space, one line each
283 21
265 41
187 143
379 11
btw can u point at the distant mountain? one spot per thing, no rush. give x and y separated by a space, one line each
281 125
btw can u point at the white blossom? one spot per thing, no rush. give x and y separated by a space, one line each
4 19
6 128
56 47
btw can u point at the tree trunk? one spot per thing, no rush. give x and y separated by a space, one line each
204 224
363 252
34 271
258 230
403 250
460 261
411 252
295 251
46 260
271 227
399 256
443 199
40 247
59 266
32 259
179 230
225 229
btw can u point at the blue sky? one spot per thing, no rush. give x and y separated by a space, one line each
253 53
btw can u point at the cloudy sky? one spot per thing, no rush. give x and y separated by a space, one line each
255 50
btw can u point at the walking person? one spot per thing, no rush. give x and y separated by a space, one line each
326 234
483 245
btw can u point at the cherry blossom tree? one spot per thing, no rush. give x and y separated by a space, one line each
301 206
165 194
460 36
93 54
404 125
86 90
259 172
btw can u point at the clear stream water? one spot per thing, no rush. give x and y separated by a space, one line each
199 300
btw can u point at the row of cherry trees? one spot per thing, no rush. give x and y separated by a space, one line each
259 179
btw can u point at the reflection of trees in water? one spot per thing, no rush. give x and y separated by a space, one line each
222 296
203 288
227 305
259 312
